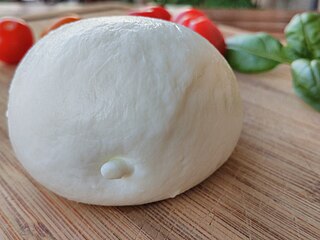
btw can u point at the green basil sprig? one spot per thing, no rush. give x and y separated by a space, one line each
306 81
303 35
255 53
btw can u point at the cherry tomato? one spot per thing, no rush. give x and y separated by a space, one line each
153 12
187 15
15 40
207 29
60 22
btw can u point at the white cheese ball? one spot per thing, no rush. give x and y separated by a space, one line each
123 110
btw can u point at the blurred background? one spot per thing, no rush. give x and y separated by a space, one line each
251 4
252 15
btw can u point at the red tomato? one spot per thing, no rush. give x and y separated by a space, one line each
59 23
187 15
15 40
207 29
153 12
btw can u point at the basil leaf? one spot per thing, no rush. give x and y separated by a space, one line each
302 34
306 81
252 53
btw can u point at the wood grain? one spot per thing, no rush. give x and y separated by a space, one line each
267 20
268 189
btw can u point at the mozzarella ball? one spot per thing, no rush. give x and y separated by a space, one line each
123 110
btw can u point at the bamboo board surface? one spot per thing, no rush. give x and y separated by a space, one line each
268 189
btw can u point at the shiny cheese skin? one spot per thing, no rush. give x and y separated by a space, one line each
123 110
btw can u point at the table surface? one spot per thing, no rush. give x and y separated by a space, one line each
268 189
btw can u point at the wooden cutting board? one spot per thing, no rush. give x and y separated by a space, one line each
268 189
